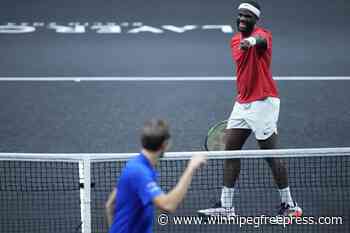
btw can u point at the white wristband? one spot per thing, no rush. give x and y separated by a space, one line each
251 40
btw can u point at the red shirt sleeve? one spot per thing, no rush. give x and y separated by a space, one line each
236 52
267 36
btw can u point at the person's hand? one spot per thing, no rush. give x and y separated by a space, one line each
196 161
244 45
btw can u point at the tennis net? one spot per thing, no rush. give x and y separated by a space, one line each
50 192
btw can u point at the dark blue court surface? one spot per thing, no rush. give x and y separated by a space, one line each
309 38
167 39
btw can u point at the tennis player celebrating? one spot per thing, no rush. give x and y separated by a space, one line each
131 208
256 108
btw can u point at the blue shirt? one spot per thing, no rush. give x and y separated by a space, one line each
136 189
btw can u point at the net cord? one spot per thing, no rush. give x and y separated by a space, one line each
101 157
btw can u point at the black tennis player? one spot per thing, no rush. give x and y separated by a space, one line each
256 109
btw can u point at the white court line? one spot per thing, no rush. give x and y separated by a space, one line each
190 78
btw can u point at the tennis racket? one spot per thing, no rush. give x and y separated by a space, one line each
215 140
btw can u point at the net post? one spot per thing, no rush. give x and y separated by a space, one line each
85 194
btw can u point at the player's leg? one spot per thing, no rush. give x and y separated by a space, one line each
278 168
280 175
235 139
264 123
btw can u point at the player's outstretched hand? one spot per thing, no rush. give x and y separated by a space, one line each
244 45
197 160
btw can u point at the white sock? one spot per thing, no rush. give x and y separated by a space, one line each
227 197
286 197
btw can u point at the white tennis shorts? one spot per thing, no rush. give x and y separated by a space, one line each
260 116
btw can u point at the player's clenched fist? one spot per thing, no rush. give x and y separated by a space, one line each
197 161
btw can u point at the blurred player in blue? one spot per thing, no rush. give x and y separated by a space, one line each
130 207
